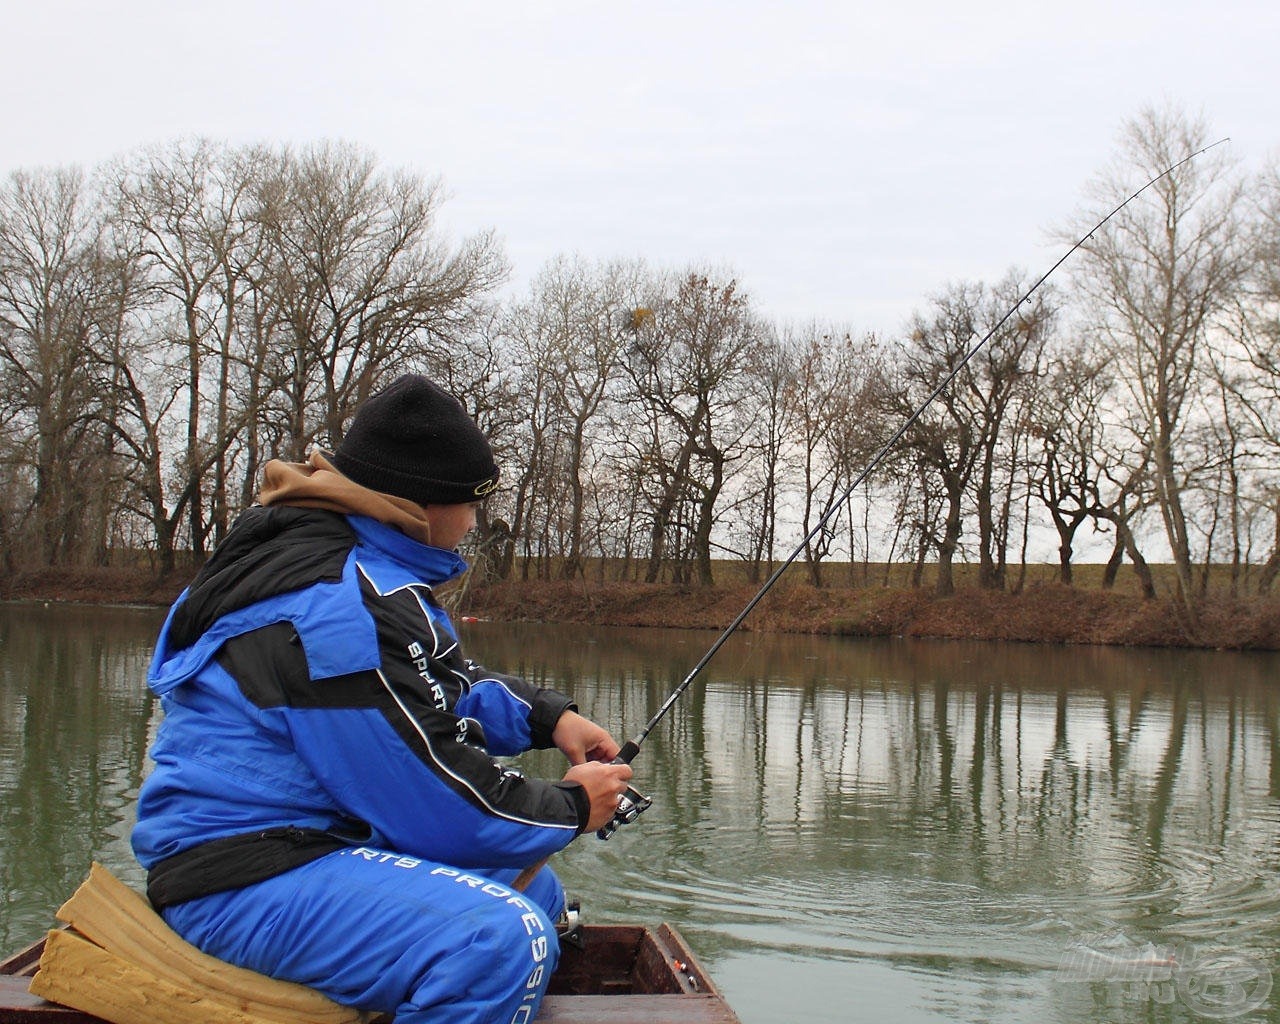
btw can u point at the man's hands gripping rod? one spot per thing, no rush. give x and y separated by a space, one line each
632 803
603 769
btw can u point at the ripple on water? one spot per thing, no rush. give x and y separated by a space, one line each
782 887
845 915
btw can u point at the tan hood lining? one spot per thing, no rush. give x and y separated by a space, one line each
317 484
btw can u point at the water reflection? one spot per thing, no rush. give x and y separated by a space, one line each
916 830
940 807
74 720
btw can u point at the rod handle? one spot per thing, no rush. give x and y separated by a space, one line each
632 803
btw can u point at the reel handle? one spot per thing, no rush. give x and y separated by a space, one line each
632 803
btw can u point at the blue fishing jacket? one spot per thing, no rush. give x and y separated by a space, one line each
312 685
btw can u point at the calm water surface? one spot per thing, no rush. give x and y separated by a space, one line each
844 830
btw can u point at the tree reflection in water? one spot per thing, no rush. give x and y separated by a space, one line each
945 819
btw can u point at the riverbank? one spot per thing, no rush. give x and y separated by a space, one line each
1041 613
1045 613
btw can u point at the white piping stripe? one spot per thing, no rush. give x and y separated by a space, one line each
514 696
464 680
414 589
435 636
417 726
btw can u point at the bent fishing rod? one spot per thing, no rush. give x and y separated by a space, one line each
633 803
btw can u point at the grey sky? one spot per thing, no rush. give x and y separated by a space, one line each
845 160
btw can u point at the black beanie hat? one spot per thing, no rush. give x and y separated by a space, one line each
415 441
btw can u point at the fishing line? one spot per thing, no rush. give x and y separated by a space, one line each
632 746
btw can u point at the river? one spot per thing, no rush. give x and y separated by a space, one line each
844 830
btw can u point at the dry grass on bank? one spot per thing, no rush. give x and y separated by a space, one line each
1044 612
106 585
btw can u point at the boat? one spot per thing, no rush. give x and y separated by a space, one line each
620 973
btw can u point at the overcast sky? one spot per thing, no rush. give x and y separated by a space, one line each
844 160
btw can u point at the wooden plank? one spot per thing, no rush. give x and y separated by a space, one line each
681 957
598 988
672 1009
18 1006
603 966
23 962
661 969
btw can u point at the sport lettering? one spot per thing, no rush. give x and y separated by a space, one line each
422 662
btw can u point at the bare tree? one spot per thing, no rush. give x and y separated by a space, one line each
1069 426
1247 370
569 334
692 362
835 424
1004 388
187 209
1088 468
360 280
962 438
533 444
767 472
52 274
1156 277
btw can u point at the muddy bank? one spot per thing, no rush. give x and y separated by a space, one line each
94 586
1042 613
1047 613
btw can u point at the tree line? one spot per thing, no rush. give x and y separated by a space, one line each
171 320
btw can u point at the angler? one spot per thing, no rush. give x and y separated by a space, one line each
325 773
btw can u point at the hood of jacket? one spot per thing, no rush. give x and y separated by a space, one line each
282 562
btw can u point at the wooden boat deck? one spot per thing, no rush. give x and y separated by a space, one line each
622 974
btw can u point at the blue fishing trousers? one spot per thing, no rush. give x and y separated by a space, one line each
380 931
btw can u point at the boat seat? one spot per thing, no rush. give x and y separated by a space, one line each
119 961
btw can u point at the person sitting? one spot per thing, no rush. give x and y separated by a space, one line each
325 805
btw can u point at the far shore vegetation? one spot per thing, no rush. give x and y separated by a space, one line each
174 318
861 601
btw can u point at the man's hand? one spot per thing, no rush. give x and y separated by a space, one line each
605 784
581 740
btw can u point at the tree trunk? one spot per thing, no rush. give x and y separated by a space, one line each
946 585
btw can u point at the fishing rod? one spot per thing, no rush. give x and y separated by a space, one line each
633 803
